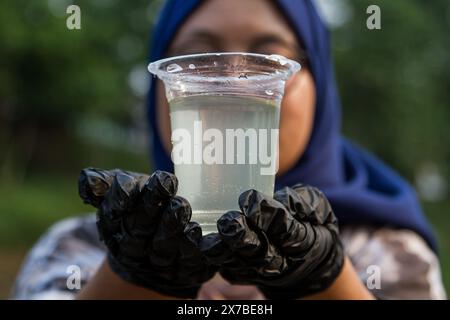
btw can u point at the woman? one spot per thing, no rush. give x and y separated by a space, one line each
381 224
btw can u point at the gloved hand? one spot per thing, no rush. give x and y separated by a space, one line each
147 230
287 245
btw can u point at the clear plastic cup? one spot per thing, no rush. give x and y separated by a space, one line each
224 111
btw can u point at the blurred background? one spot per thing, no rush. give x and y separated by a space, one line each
76 98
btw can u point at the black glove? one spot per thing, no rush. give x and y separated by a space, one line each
147 230
288 246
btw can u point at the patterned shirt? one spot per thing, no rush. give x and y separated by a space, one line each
393 263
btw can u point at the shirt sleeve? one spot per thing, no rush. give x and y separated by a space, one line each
63 259
394 263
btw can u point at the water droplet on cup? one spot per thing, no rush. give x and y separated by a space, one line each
269 92
192 66
277 58
173 68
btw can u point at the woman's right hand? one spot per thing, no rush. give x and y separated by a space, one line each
287 245
147 229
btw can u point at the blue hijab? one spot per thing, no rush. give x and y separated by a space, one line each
361 189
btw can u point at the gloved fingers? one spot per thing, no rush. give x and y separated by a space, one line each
193 233
132 208
116 204
192 264
189 251
214 249
155 193
300 235
175 217
249 246
326 239
158 190
320 249
261 211
274 218
314 205
140 177
122 194
292 202
93 184
233 228
170 231
109 231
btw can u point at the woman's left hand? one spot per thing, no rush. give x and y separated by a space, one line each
288 245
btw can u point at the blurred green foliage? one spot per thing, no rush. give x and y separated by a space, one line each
52 79
395 82
68 100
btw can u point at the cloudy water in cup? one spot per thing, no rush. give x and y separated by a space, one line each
222 146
